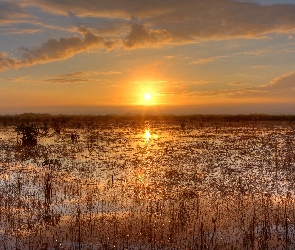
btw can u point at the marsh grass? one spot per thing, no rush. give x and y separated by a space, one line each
192 186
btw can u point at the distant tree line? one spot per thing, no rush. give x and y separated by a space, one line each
76 121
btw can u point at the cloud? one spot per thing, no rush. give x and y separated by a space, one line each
203 60
12 13
169 57
15 30
17 79
261 66
110 8
221 19
140 35
42 26
284 82
237 83
78 74
67 80
280 88
15 19
80 77
108 73
7 63
55 49
153 23
201 82
90 73
256 52
207 60
186 20
233 94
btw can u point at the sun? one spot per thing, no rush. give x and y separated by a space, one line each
147 96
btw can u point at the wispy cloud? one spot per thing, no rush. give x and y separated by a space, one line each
203 60
280 88
42 26
91 73
67 80
13 13
111 8
15 30
256 52
108 73
80 77
208 59
55 49
17 79
140 35
285 82
169 57
237 83
146 23
187 19
196 82
261 66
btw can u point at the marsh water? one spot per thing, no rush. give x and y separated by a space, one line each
149 184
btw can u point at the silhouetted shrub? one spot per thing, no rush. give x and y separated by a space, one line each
28 133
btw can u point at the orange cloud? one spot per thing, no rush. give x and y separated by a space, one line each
156 23
207 60
280 88
140 35
237 83
79 77
12 13
67 80
286 82
6 63
186 20
55 49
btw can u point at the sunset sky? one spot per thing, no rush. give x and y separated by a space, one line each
191 56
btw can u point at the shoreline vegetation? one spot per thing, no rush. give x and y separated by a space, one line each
209 117
98 182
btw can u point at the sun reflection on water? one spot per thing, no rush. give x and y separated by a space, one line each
147 134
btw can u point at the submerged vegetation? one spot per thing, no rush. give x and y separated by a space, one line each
195 182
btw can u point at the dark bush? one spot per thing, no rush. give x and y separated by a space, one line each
28 133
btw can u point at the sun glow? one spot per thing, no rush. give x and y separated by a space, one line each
146 93
147 96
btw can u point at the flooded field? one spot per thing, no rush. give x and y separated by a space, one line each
147 184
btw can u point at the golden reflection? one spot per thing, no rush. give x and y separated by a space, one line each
147 134
141 175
